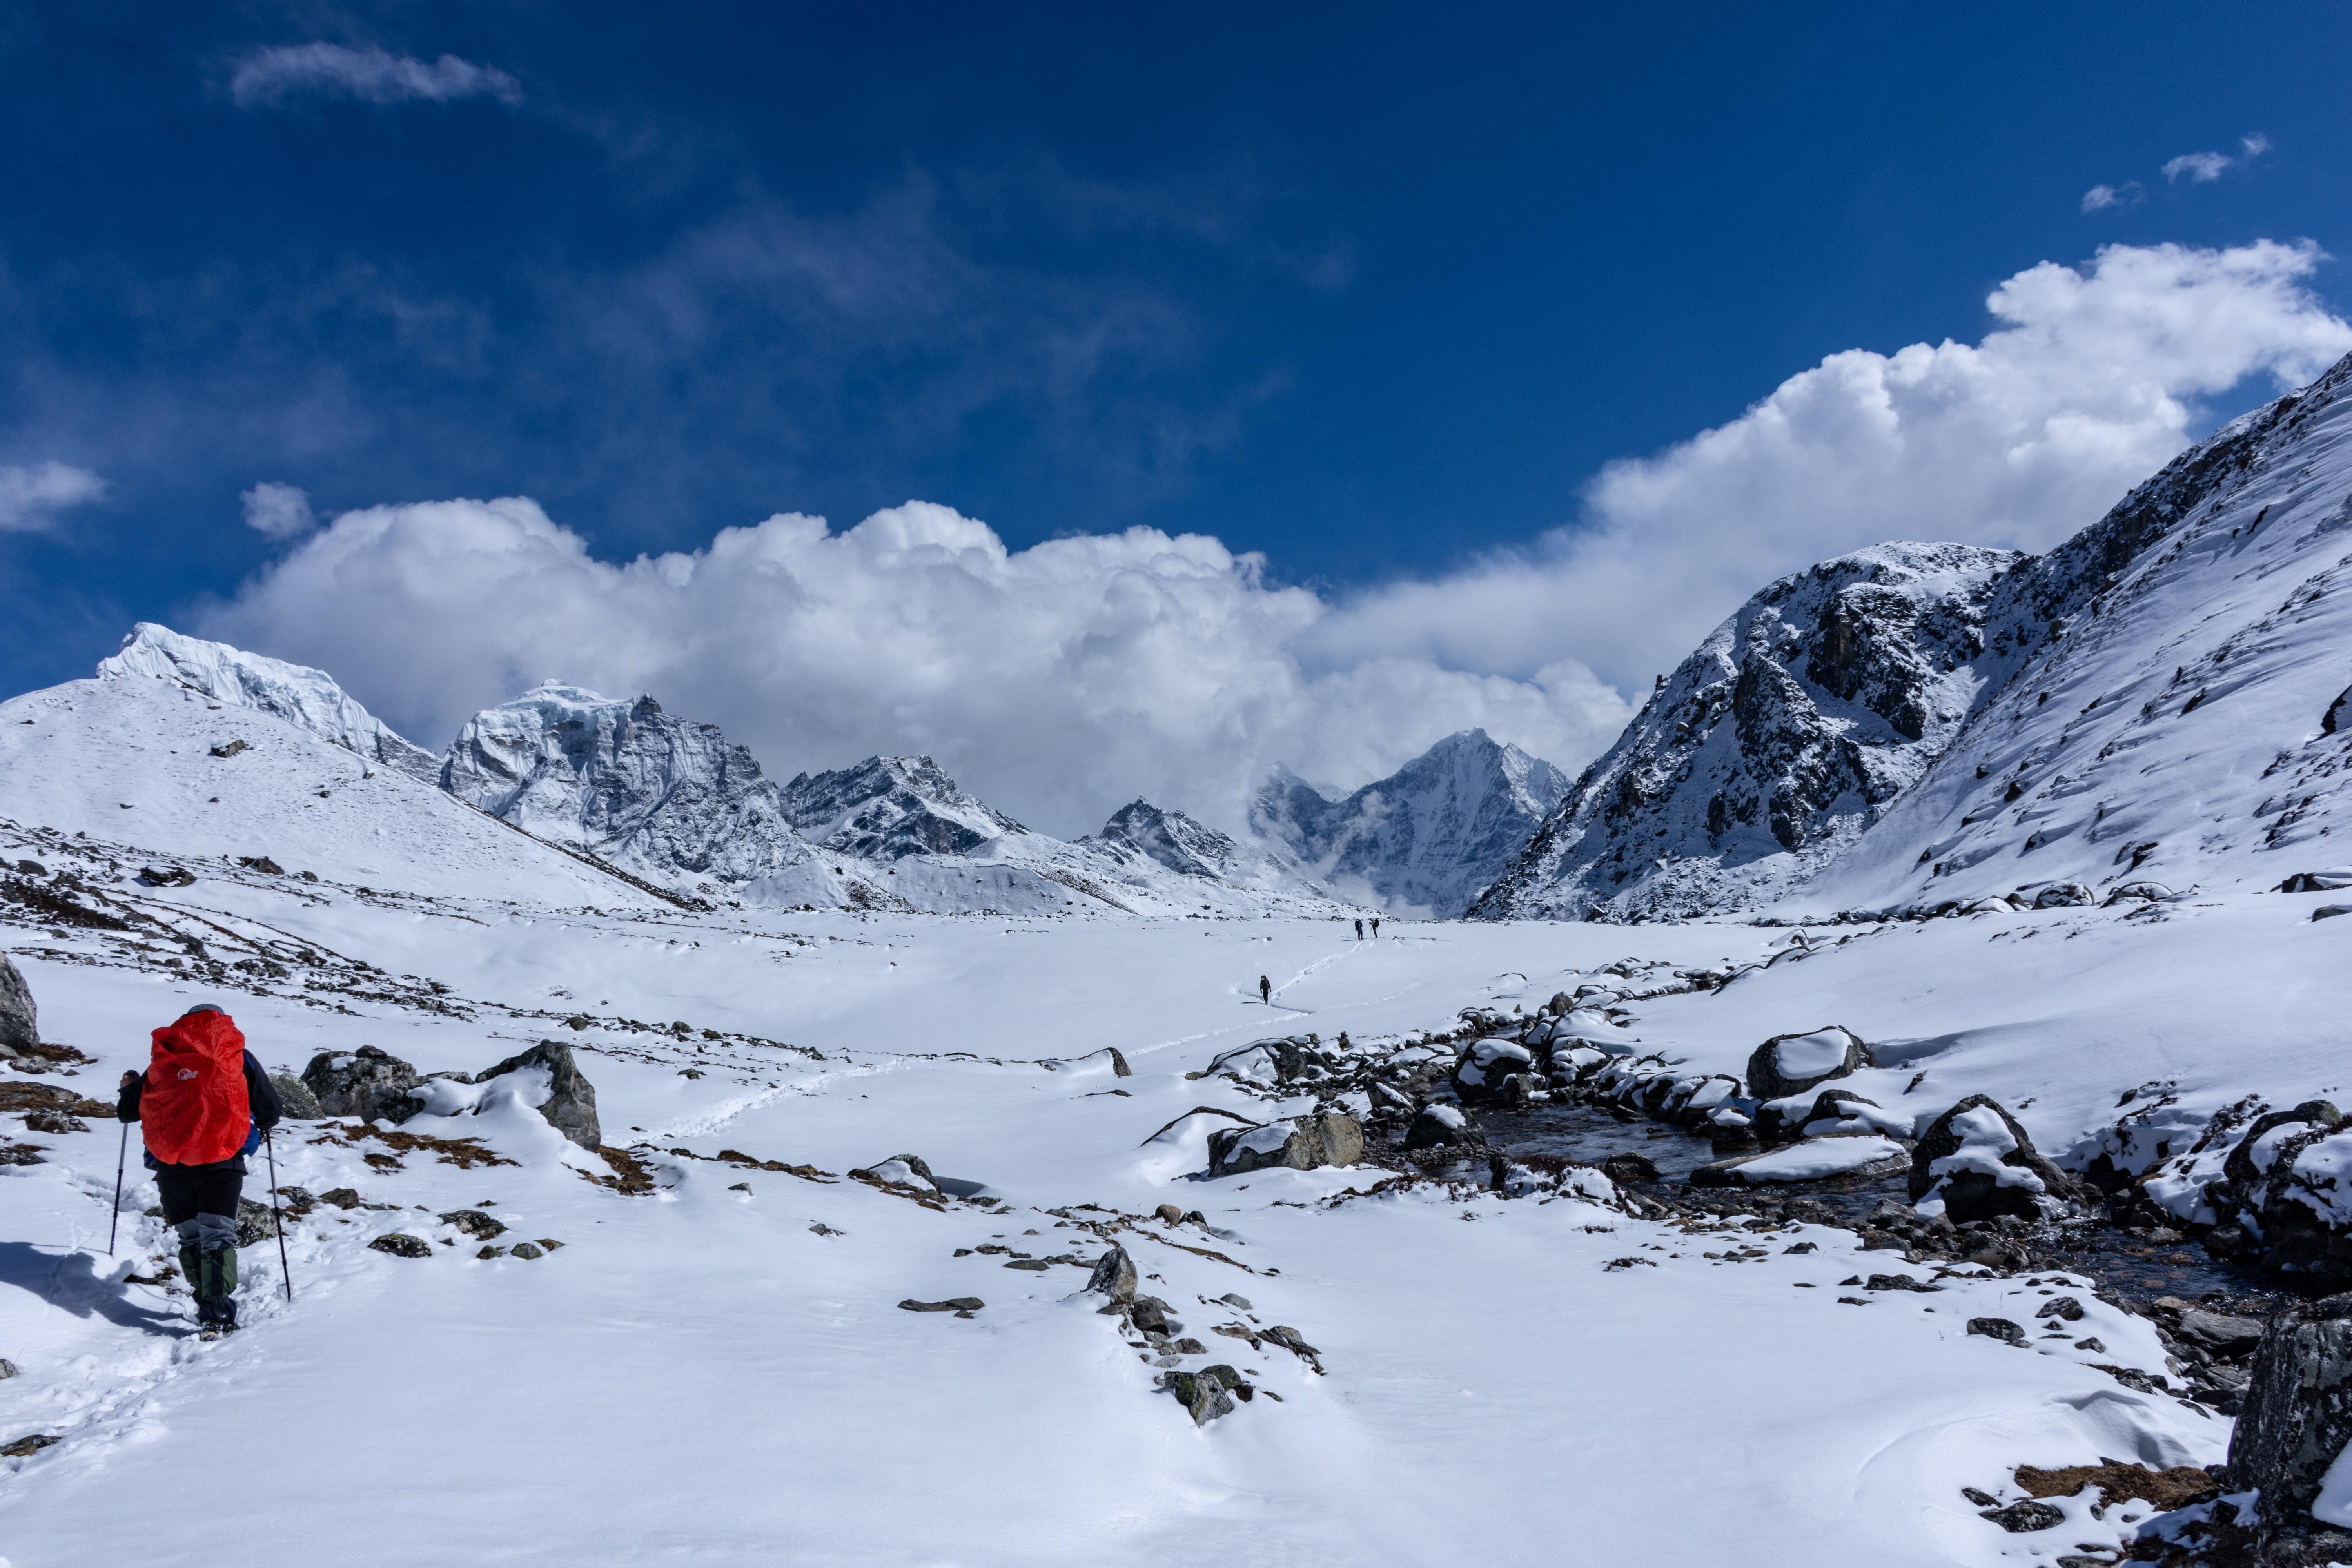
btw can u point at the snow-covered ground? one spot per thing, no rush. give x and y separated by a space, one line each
719 1371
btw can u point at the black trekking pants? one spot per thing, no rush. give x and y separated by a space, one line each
200 1202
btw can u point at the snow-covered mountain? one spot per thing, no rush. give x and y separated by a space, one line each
1775 745
2175 702
889 807
672 801
296 693
1426 838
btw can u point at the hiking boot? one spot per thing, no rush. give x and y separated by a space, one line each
216 1315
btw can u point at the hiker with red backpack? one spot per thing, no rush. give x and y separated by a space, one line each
203 1104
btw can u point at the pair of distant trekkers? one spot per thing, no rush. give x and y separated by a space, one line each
201 1106
1359 927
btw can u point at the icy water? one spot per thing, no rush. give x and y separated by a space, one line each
2135 1269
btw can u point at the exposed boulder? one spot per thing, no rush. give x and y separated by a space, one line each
19 1019
1209 1393
1975 1162
166 876
1792 1064
474 1223
1304 1143
295 1099
2294 1428
2064 896
571 1103
369 1083
1114 1275
400 1244
1485 1065
1439 1126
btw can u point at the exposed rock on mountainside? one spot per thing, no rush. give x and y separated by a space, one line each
1428 836
624 780
299 695
1192 849
2167 677
887 808
1774 745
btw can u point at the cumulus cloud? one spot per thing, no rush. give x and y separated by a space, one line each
373 75
278 511
2203 168
1059 681
2089 381
2098 199
1065 679
31 497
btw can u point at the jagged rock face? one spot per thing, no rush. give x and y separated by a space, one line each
886 808
2157 690
1774 745
671 800
1190 848
1427 837
294 692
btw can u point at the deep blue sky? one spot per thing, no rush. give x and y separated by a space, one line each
1366 287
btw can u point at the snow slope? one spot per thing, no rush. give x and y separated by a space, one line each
1780 739
296 693
129 758
2174 711
1426 839
718 1369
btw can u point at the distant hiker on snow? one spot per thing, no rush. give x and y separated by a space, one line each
1359 928
1376 925
201 1106
1265 990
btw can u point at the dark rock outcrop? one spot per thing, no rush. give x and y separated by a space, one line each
571 1104
1437 1127
1304 1143
19 1019
295 1099
369 1083
2295 1423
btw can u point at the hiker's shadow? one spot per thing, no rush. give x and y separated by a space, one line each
70 1280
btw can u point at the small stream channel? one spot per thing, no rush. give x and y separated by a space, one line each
2129 1267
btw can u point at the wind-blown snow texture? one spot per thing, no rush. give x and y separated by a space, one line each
2163 697
293 692
1773 745
1427 838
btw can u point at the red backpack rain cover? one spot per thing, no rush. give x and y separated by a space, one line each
193 1108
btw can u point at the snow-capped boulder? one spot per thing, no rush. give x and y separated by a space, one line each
1427 837
1303 1143
370 1083
2293 1431
2140 893
901 1171
1438 1126
1975 1162
2064 896
19 1019
1791 1064
569 1099
2318 881
2287 1185
1483 1065
296 693
1832 1113
1816 1160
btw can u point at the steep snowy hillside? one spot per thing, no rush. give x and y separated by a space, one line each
2177 708
299 695
158 765
669 800
1772 746
1426 838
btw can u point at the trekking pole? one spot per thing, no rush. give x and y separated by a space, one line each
285 1269
116 1218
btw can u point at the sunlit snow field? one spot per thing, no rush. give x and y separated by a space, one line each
699 1375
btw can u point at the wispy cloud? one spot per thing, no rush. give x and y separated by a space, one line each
2203 168
2098 199
31 497
278 511
373 75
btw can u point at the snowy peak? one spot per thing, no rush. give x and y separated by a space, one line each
670 800
1430 836
1191 848
2169 676
1784 736
296 693
885 808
